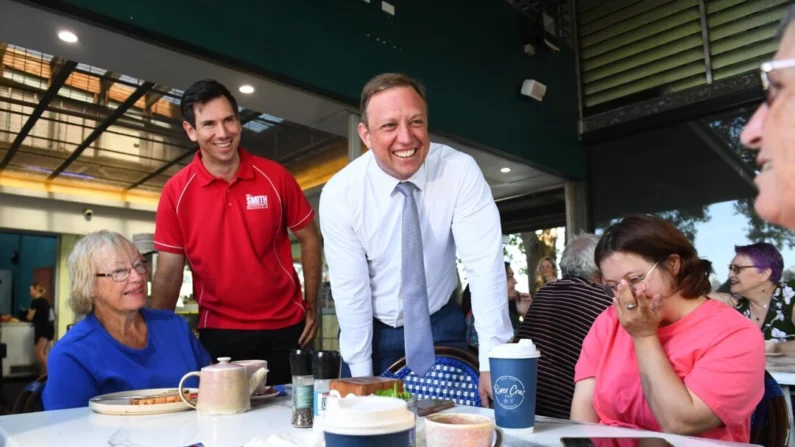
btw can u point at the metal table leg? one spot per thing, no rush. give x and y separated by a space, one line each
788 396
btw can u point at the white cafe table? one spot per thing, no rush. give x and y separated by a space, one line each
84 428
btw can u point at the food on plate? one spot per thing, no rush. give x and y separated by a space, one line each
169 397
365 386
393 392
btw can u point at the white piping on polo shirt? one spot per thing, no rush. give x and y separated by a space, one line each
166 245
183 192
302 220
279 227
176 211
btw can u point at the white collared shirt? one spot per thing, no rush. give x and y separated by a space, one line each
360 218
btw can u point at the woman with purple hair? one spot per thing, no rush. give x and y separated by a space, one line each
755 279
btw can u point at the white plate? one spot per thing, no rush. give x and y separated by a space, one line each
121 406
270 392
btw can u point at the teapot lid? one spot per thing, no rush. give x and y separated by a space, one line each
223 365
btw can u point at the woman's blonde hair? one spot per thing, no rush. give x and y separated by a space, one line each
551 261
83 266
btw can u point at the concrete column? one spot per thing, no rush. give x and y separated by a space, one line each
576 209
354 142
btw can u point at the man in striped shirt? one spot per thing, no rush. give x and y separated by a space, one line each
558 321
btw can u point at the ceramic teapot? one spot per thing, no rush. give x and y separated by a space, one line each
224 388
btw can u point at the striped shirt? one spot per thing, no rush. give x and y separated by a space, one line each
558 321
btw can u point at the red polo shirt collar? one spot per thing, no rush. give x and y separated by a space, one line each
244 172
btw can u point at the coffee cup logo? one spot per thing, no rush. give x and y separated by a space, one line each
508 392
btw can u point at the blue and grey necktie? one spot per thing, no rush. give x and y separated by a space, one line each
417 334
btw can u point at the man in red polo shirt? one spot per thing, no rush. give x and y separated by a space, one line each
228 213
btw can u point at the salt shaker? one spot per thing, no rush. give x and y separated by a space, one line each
303 388
325 366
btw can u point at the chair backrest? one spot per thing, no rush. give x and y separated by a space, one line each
29 400
454 377
770 421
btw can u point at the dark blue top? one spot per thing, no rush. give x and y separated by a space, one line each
88 362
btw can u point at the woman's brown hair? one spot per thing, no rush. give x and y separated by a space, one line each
655 240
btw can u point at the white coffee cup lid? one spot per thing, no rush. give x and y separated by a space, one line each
522 350
367 415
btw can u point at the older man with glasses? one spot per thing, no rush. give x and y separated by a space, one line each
771 131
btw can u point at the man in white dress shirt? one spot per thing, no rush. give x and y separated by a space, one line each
360 218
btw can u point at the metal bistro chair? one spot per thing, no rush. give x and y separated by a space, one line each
770 421
453 377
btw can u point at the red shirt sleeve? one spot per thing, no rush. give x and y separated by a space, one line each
297 210
168 234
729 377
593 346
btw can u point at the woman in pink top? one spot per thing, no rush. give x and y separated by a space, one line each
664 357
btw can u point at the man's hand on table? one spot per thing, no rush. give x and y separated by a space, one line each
484 389
310 328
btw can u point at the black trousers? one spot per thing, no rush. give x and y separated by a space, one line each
274 346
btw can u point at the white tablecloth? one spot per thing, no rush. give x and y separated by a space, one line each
84 428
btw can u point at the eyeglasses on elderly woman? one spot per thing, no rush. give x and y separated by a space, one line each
121 274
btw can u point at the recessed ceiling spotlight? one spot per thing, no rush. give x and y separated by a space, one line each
505 170
247 89
67 36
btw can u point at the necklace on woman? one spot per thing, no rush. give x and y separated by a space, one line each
759 318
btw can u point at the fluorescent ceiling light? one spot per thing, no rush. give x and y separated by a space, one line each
247 89
505 170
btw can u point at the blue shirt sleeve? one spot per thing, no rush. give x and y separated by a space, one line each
69 384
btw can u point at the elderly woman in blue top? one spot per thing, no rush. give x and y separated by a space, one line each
120 345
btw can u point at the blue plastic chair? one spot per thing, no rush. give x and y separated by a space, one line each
454 376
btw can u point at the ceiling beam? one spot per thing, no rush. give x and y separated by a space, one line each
673 108
105 83
56 83
55 63
154 96
97 108
161 169
99 112
3 48
117 113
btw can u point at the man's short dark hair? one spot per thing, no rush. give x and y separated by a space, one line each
201 93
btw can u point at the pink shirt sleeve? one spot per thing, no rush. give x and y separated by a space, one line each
729 377
593 346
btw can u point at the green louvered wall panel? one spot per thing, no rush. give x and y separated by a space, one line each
648 47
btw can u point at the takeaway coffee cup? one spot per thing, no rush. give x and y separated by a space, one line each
514 368
367 421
